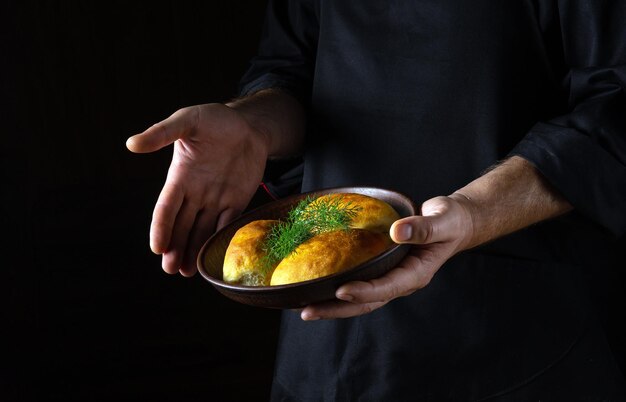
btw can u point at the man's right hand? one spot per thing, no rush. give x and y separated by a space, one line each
217 166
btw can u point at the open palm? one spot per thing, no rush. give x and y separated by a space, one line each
217 165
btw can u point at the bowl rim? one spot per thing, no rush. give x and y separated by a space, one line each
263 289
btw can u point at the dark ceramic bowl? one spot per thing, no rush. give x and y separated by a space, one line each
295 295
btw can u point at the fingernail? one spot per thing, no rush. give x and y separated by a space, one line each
345 296
308 316
404 232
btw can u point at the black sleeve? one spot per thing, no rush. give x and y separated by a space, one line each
286 54
583 152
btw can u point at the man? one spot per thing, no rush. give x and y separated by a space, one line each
423 97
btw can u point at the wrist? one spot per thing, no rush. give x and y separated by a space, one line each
258 125
467 220
277 117
510 197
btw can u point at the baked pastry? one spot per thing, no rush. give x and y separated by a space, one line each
243 260
329 253
329 234
371 213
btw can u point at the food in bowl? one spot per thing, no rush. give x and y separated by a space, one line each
246 254
320 236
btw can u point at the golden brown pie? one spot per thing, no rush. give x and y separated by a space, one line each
324 253
329 253
242 261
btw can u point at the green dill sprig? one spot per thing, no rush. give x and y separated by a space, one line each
305 220
329 213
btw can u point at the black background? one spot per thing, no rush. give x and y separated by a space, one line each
88 314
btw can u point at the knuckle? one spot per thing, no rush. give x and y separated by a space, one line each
182 111
367 308
422 281
394 291
162 129
422 230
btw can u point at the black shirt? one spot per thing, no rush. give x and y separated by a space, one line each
421 97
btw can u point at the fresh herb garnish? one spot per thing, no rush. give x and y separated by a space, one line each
308 218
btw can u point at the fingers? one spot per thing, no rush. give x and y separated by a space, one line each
173 257
185 229
362 297
337 309
398 282
226 217
202 229
168 204
164 133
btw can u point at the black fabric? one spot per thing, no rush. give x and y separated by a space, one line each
421 97
563 381
283 177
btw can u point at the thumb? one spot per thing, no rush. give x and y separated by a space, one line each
436 225
164 133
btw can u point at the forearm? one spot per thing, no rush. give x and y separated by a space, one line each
510 197
278 116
